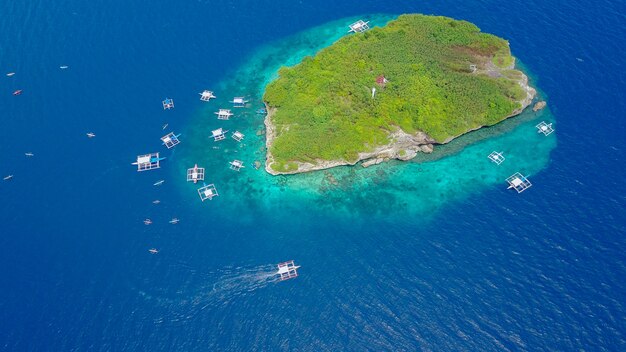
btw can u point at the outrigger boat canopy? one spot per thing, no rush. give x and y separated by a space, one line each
287 270
148 162
195 174
236 165
359 26
170 140
207 192
224 114
496 157
238 136
207 95
545 128
218 134
168 103
239 102
518 182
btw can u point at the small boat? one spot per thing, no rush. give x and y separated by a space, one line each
153 250
148 162
17 92
6 178
165 126
147 222
10 74
287 270
91 134
29 154
63 67
158 183
174 221
261 111
156 201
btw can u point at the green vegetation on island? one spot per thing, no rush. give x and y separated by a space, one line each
442 77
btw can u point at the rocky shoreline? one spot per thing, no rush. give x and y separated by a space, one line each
401 146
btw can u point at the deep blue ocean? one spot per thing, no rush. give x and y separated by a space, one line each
474 268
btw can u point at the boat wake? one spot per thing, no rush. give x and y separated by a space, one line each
239 281
212 290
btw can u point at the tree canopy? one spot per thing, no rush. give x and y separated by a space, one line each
324 105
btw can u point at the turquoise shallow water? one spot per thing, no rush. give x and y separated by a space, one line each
415 188
431 255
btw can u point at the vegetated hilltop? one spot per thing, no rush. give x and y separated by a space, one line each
435 78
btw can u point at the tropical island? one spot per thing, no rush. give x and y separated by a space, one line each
389 93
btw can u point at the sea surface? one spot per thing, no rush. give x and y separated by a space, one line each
433 254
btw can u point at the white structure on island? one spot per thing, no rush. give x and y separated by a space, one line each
223 114
218 134
170 140
148 162
496 157
195 174
168 104
518 182
359 26
207 192
239 102
545 128
236 165
238 136
207 95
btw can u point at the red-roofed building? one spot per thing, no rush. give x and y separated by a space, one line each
381 80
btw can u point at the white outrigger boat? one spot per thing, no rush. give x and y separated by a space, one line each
195 174
148 162
287 270
207 95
